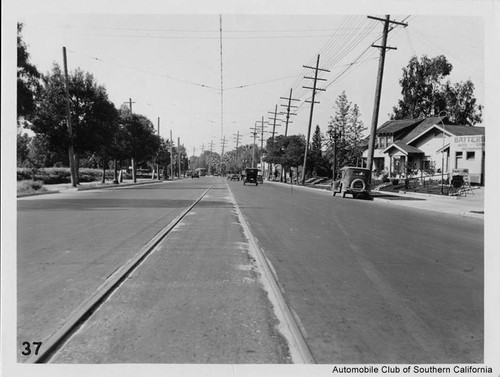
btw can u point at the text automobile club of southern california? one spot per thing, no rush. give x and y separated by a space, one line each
415 369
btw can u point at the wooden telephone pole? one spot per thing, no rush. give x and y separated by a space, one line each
289 106
71 151
378 89
314 89
274 119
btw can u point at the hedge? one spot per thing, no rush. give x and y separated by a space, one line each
61 175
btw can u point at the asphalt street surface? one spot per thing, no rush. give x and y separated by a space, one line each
367 282
373 283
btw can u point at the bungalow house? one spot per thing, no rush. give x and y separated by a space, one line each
429 146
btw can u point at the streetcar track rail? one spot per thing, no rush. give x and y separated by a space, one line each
289 325
83 311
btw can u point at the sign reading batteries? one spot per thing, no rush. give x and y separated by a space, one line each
469 143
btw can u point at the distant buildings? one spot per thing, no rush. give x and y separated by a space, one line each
429 146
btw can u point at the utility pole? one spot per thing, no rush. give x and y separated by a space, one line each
378 89
289 106
274 119
71 151
237 139
134 177
222 160
314 89
223 145
221 81
158 163
261 137
179 156
254 132
210 157
261 128
171 156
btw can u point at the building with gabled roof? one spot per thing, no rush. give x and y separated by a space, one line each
429 146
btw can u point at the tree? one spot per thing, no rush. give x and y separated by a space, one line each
346 135
317 164
354 137
140 142
286 151
461 104
23 141
93 116
27 79
163 156
426 94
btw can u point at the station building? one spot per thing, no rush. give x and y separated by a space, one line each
429 146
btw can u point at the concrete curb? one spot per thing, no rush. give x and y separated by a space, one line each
23 195
88 188
112 185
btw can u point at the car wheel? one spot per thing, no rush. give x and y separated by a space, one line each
256 183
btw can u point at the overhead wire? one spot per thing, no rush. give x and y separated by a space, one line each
143 70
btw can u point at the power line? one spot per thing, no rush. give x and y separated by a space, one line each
143 70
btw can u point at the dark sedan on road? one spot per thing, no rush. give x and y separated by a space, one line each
354 181
251 176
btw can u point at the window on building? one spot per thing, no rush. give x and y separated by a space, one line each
471 155
382 142
389 140
458 158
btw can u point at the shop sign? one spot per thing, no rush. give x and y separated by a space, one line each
469 143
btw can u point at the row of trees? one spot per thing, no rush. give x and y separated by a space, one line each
101 132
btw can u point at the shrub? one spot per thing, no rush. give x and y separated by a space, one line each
30 186
60 175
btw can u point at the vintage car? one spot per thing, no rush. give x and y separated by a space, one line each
353 180
251 176
233 177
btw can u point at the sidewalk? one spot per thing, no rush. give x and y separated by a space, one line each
471 205
96 185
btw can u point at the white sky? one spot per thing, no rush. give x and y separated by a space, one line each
161 61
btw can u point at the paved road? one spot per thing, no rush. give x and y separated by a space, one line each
370 282
196 299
